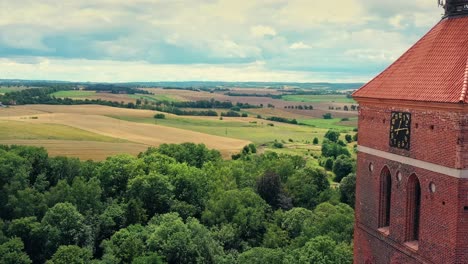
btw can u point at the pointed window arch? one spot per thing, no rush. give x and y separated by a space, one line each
413 208
385 197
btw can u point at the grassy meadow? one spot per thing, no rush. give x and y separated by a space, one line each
74 94
334 123
259 132
4 89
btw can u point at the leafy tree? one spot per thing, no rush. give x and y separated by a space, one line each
341 143
252 147
315 141
181 242
152 258
116 171
27 202
86 195
321 250
125 245
327 116
154 190
63 168
14 171
244 209
63 225
331 149
30 232
111 220
269 188
334 221
191 185
328 164
11 252
348 189
193 154
293 220
135 213
342 167
249 149
262 255
3 237
159 116
348 138
307 187
355 137
71 255
275 237
278 145
332 135
156 162
37 157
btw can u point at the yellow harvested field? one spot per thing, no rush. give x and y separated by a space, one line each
93 119
17 130
187 95
84 150
24 110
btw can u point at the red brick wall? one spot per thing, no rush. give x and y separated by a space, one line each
462 239
439 145
443 219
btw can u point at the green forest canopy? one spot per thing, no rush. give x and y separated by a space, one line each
172 204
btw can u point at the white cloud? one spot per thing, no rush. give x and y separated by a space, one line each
301 34
117 71
308 14
262 31
227 48
398 21
299 45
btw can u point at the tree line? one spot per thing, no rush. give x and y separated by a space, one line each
171 204
44 96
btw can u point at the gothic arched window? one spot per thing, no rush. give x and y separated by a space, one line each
385 197
413 208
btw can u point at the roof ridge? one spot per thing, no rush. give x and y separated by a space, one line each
465 84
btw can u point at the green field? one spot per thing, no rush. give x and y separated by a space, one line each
24 130
154 98
319 98
74 94
259 133
4 90
334 123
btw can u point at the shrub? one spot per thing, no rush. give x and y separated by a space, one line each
315 141
278 145
159 116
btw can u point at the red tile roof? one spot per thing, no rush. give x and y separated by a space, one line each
435 69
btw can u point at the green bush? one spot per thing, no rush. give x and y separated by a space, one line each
159 116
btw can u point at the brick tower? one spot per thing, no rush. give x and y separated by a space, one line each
412 173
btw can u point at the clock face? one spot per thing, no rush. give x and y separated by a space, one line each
400 132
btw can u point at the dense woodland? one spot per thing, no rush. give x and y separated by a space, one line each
176 204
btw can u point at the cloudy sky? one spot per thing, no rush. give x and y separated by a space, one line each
228 40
